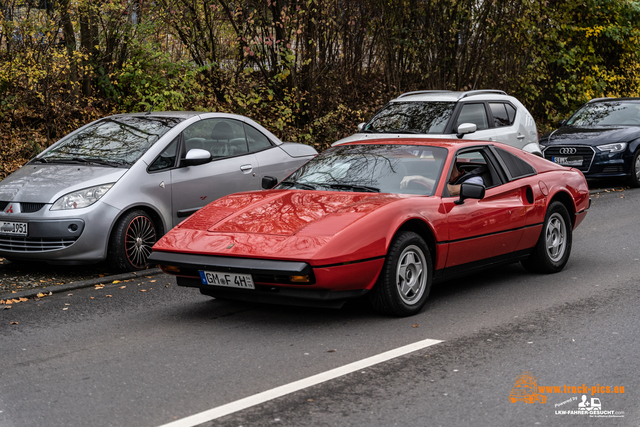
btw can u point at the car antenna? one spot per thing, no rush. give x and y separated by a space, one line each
151 108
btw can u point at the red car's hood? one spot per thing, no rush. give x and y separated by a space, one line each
271 224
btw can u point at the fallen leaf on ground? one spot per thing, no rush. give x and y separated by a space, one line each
116 281
415 325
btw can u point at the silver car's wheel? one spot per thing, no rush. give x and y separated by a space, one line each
131 241
405 280
552 251
411 275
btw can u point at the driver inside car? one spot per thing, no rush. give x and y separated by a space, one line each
456 179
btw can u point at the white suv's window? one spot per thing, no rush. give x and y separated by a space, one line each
473 113
503 113
412 117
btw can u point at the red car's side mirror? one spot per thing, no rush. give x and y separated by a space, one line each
470 191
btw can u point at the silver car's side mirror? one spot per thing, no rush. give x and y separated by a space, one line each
361 126
466 128
196 156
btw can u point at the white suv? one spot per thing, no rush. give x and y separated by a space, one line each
476 114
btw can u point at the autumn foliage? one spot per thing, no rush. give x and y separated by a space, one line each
309 70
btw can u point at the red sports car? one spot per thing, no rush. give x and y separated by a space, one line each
383 219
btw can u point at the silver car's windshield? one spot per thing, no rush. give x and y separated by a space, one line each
113 141
369 168
411 118
613 113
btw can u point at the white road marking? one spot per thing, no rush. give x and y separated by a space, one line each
265 396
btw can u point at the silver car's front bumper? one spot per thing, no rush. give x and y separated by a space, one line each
61 237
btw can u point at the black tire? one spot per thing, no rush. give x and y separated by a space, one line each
131 242
408 261
634 178
554 245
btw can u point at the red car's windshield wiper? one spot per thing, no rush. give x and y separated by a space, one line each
299 184
355 187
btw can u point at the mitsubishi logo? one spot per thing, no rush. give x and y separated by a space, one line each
568 150
9 209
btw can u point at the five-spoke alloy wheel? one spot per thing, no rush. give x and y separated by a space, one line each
404 283
554 245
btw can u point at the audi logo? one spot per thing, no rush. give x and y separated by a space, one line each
568 150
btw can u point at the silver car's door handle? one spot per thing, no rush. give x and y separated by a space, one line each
246 168
520 137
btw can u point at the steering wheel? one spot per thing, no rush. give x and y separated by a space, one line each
416 184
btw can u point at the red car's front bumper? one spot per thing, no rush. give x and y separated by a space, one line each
328 285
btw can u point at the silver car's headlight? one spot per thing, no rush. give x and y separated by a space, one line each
81 198
613 148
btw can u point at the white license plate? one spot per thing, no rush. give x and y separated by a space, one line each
15 228
567 161
230 280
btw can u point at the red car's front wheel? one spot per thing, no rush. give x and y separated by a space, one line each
405 280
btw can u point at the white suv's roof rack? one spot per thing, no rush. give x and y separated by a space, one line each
420 92
481 91
462 94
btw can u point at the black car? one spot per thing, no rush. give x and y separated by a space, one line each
602 139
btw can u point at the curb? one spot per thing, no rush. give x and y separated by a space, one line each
81 284
608 190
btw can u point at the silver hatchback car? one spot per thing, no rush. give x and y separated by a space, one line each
110 189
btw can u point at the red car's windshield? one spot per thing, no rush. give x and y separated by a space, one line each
376 168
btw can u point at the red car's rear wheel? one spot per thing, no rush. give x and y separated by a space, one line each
554 244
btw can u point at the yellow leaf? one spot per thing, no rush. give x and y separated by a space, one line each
116 281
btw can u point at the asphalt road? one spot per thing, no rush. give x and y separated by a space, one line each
145 352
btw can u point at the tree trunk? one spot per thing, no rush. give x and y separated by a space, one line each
70 43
